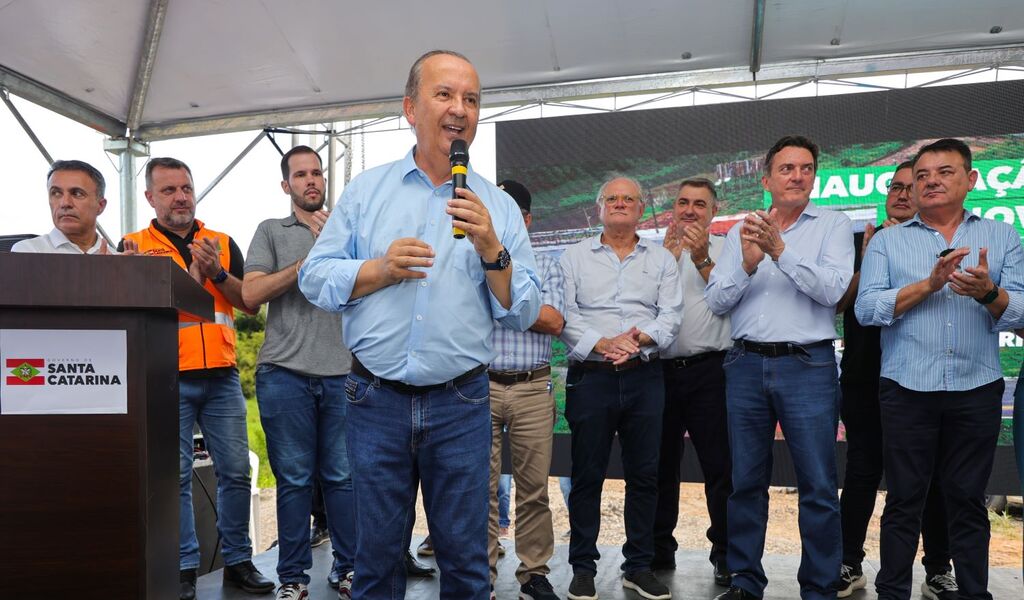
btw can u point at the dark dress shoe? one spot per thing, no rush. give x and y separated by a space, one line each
414 568
245 576
736 593
187 591
722 575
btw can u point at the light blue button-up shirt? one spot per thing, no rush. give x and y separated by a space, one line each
605 297
418 331
948 342
794 299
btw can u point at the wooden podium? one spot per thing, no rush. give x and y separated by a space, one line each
89 502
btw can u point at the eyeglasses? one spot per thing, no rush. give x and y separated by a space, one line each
899 188
629 200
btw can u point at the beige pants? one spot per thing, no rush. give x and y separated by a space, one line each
527 409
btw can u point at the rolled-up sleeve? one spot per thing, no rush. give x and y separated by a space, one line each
552 291
328 275
525 285
825 280
876 298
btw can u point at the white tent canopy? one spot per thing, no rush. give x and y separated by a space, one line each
173 68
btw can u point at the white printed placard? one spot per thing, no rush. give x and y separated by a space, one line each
63 371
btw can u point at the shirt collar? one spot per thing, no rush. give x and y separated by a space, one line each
290 220
58 239
595 242
968 217
408 165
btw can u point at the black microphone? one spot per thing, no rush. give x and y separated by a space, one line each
459 157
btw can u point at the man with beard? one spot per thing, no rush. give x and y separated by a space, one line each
208 388
300 381
858 381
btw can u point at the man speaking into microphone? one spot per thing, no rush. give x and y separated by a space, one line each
419 306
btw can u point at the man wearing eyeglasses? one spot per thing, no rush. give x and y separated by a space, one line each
779 278
858 381
942 384
623 302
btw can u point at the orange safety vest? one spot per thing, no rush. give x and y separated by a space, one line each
200 345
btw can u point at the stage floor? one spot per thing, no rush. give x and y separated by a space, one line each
691 579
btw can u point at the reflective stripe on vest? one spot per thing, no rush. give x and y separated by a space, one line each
218 318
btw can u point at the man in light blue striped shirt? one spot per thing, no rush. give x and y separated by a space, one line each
941 286
522 404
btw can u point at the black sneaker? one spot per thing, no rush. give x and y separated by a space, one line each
736 593
187 590
582 587
940 587
646 584
537 588
318 535
851 579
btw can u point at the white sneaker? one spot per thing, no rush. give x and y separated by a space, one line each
292 591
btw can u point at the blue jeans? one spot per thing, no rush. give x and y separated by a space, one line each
304 420
219 407
800 392
565 485
441 439
504 493
599 404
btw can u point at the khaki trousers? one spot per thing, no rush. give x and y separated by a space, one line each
527 409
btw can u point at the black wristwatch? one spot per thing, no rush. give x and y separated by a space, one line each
990 297
504 260
221 277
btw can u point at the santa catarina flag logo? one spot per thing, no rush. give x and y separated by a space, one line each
25 371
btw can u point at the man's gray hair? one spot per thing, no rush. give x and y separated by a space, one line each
412 84
82 167
613 177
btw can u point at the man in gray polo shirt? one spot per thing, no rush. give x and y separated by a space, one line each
300 381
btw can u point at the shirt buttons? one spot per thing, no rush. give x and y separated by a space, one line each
423 284
949 324
419 317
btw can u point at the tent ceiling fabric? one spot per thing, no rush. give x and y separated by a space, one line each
235 64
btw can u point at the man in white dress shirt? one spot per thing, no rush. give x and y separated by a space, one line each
75 190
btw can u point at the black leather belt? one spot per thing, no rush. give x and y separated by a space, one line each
777 349
607 365
413 390
511 377
685 361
